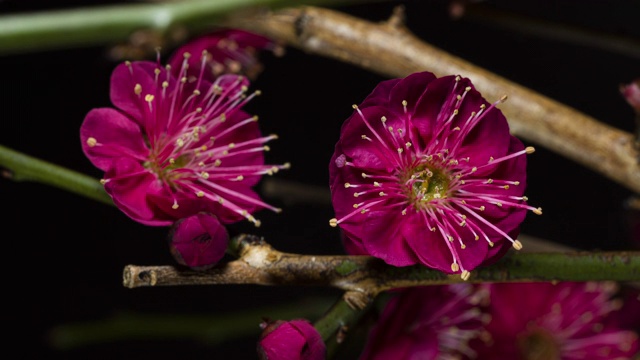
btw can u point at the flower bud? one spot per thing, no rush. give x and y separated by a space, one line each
290 340
198 241
631 93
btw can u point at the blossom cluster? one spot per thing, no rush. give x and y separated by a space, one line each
425 172
517 321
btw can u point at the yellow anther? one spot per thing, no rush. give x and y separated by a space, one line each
537 211
530 149
333 222
148 98
517 245
200 193
455 267
91 142
465 275
137 89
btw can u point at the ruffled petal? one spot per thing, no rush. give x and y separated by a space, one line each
130 184
107 135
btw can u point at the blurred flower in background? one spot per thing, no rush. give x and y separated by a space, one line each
562 321
430 322
226 51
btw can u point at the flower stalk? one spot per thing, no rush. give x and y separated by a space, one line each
364 277
22 167
100 25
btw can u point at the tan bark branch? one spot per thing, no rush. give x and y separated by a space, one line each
390 49
363 277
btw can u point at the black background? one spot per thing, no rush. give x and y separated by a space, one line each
64 254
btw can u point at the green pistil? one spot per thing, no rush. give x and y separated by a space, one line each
426 183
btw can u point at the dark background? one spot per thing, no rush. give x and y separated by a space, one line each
65 254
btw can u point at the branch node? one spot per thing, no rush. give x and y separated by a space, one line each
357 300
397 18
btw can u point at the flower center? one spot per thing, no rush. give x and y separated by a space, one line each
164 169
538 345
426 184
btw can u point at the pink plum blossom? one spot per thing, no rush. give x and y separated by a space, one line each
430 322
176 145
198 241
427 172
564 321
227 51
290 340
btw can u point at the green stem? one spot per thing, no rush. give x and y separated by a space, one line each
96 25
26 168
335 324
209 329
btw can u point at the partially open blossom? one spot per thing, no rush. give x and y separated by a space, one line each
426 172
176 145
290 340
431 322
542 321
227 51
198 241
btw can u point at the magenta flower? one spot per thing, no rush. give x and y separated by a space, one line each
431 322
227 51
426 172
198 241
177 145
290 340
564 321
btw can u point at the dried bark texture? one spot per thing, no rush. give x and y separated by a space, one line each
390 49
363 277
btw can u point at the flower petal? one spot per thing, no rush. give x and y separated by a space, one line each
107 135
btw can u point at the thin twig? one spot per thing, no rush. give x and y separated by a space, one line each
389 49
363 277
549 30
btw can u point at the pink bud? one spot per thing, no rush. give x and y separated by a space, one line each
290 340
631 93
198 241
